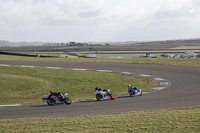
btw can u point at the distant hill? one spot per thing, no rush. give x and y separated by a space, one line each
123 46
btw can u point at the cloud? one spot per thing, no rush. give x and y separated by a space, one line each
104 20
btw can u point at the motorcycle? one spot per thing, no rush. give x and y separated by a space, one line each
133 91
52 99
102 94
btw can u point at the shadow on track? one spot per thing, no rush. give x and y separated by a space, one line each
42 105
88 101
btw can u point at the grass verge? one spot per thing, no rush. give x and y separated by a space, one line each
187 47
177 120
27 85
163 61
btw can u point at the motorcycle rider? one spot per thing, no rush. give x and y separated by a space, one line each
104 91
130 88
57 94
99 89
96 88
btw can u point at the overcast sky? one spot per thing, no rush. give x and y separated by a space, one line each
98 20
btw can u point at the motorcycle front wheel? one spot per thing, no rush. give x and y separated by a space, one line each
141 93
112 96
68 100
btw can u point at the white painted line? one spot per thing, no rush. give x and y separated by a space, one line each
27 66
102 70
53 67
158 88
126 72
144 75
164 83
10 105
109 71
4 65
79 69
159 79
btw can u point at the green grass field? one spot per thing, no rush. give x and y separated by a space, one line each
163 61
110 53
27 85
176 121
187 47
52 54
131 53
147 51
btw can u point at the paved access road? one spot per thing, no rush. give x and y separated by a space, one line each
183 92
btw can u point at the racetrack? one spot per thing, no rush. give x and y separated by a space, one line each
183 92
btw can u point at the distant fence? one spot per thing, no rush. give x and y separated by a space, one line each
22 54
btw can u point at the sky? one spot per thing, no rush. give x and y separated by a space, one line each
99 20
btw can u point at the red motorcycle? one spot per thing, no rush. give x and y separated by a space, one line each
53 99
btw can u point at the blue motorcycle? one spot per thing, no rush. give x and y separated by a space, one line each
102 94
133 91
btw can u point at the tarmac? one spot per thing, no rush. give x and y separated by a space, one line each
178 88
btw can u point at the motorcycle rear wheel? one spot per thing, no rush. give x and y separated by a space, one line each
99 97
51 102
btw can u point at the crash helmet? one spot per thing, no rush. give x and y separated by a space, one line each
96 88
100 89
51 92
104 90
129 86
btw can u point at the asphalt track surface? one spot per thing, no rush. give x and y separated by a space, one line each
183 92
